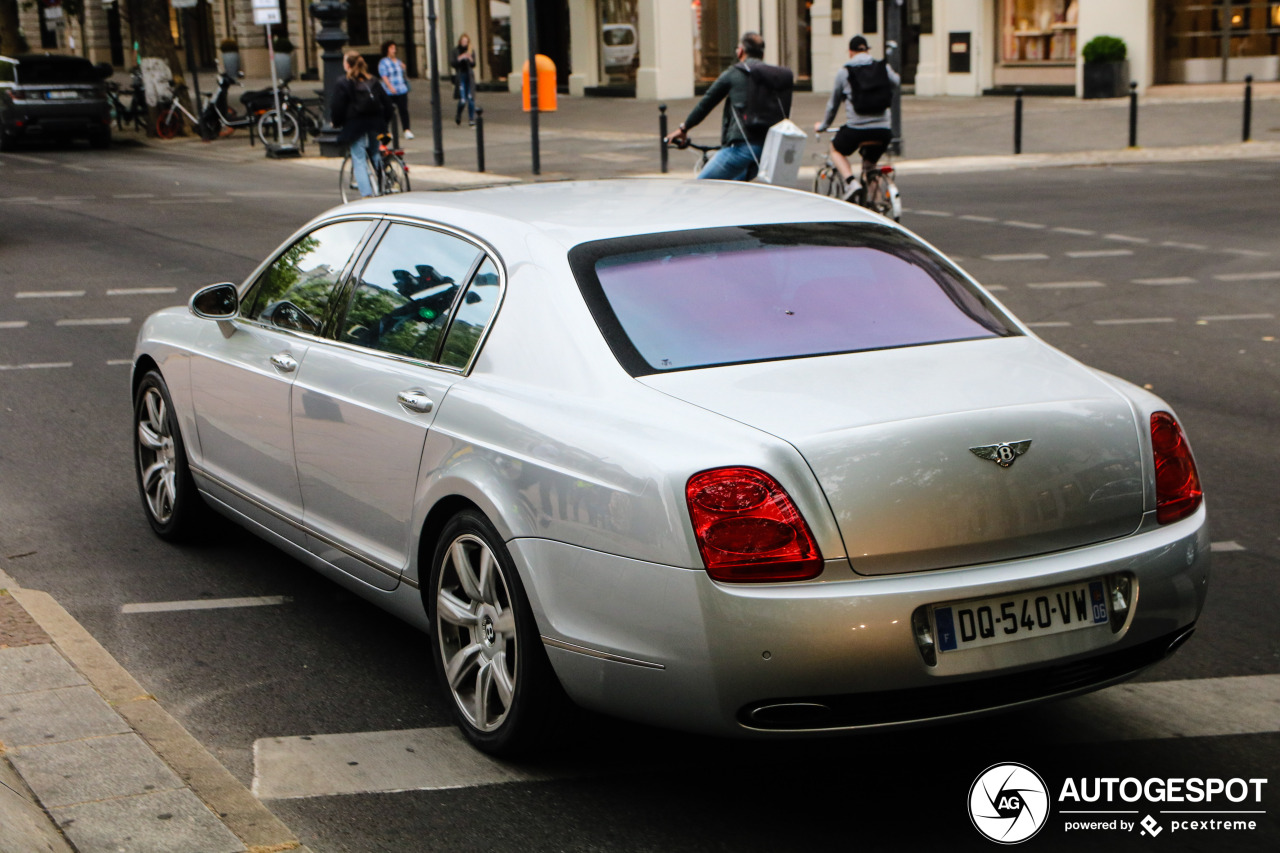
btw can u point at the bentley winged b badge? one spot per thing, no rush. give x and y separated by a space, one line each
1002 454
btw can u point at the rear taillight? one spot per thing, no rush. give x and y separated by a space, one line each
884 170
18 94
748 529
1178 492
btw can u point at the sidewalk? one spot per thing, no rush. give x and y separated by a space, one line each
88 757
609 137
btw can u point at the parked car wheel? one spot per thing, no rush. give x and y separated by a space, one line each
487 648
100 139
169 495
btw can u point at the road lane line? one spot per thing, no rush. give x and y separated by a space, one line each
969 217
13 324
134 195
1019 224
1248 276
95 321
1177 279
1049 324
140 291
1195 247
1220 318
48 294
190 201
119 362
930 212
1101 253
995 287
1134 321
48 365
1248 253
1124 238
1079 232
1025 256
1226 546
204 603
1064 285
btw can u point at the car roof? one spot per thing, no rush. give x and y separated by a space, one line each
47 57
574 212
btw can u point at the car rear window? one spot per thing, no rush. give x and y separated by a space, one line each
692 299
35 72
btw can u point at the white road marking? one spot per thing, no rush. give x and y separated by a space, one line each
1101 253
95 321
20 199
13 324
140 291
1195 247
1080 232
1248 253
119 362
1050 324
134 195
27 158
204 603
1248 276
1019 224
995 287
48 365
1134 321
1178 279
1124 238
1219 318
930 213
969 217
1222 547
190 201
1025 256
48 294
434 759
1064 285
74 197
191 195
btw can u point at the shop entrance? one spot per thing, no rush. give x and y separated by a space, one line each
553 38
794 40
1217 41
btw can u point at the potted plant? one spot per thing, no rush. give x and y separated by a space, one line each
284 57
1106 69
230 57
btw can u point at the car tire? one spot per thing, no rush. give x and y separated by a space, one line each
6 141
488 652
173 506
100 139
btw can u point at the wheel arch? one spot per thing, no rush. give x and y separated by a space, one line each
438 516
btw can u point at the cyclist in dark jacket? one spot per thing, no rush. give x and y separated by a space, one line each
359 130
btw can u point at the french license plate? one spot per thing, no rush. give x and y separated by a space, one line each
61 95
1005 618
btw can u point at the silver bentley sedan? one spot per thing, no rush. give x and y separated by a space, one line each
726 458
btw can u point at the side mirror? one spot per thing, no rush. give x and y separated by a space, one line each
216 302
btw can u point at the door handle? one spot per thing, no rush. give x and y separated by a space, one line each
415 401
284 362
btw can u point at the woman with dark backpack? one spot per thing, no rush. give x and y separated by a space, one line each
360 109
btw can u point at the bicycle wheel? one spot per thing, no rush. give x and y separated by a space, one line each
168 123
347 185
395 176
284 121
827 182
878 195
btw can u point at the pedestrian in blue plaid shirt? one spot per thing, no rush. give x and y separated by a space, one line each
391 70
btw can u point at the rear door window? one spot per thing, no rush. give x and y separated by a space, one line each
35 72
759 293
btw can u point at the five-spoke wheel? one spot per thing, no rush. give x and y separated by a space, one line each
168 493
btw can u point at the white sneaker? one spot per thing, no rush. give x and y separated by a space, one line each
408 134
851 189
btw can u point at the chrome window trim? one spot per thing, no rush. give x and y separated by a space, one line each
595 653
372 218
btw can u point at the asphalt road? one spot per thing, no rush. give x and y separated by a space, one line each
1165 275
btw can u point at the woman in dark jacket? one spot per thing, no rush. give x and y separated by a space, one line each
463 60
360 109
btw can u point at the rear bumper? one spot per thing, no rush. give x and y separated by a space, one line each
669 646
35 122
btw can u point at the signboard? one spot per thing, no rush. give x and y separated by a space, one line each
183 4
266 4
263 17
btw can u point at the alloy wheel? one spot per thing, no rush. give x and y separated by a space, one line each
157 457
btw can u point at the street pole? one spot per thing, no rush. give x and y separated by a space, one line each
332 37
433 53
533 85
893 53
191 62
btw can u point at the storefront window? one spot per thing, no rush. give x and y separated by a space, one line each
1204 41
619 43
1038 31
715 37
495 40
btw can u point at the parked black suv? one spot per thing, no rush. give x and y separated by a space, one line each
44 96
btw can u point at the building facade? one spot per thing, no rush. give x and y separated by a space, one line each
658 49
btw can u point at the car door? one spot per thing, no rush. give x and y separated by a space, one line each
242 376
362 405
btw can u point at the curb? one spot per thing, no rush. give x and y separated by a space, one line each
33 813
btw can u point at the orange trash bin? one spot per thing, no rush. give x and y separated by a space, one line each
546 85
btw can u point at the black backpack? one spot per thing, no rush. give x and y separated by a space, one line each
363 101
872 89
769 89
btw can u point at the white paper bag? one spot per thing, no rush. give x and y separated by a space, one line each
780 159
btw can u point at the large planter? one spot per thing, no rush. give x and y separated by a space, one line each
1106 79
284 66
231 64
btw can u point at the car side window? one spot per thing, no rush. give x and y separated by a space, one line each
295 291
405 297
473 316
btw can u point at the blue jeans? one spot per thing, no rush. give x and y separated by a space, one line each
360 148
467 96
737 162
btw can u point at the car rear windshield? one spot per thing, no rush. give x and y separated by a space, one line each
691 299
35 72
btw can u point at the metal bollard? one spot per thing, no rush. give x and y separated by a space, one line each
1017 120
1248 108
662 136
1133 114
479 139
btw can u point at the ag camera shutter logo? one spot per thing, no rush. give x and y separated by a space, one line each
1008 803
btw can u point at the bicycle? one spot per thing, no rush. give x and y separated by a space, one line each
171 113
708 151
136 112
393 177
300 119
879 191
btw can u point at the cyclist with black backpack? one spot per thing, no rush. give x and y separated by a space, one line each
866 86
757 96
361 110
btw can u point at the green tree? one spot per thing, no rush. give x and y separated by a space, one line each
150 22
